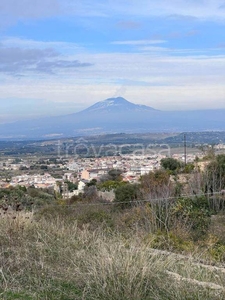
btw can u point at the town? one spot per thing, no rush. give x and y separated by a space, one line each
53 172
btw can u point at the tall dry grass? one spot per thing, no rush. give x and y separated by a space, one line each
57 259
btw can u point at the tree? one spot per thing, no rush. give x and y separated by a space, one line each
188 168
214 181
170 164
194 211
215 174
110 185
156 184
115 174
126 194
92 182
90 193
157 188
71 186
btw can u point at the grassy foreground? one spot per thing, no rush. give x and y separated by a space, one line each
53 258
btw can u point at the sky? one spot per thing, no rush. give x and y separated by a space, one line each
61 56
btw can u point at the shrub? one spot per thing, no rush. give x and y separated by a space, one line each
196 212
170 164
126 196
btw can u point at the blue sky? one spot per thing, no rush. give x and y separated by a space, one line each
58 57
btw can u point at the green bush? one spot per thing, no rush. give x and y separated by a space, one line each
218 252
195 212
170 164
110 185
126 196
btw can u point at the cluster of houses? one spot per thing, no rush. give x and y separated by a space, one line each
132 167
80 171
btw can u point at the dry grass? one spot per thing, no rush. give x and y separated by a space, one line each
54 259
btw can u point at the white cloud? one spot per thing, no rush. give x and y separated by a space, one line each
12 11
162 82
164 79
25 60
203 9
139 42
27 8
64 47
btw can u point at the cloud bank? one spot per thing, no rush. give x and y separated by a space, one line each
17 61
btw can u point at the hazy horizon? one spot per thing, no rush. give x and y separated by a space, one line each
60 111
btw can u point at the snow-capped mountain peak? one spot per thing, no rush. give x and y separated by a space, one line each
118 104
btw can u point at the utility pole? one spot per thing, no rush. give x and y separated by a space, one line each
185 149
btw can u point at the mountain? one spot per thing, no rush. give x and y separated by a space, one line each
115 105
114 115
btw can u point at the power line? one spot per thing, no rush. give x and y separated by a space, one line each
185 196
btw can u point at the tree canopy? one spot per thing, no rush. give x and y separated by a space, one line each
170 164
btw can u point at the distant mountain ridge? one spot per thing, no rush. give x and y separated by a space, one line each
111 105
114 115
